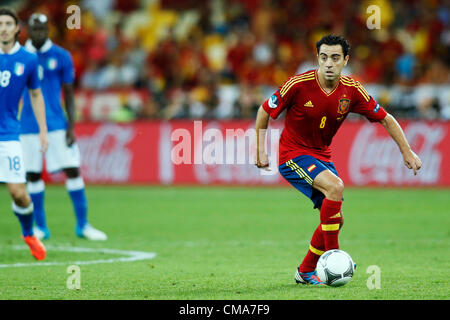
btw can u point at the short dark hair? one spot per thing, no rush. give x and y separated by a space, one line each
333 40
4 11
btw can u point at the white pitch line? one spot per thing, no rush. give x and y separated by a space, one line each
129 256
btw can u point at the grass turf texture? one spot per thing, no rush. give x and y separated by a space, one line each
233 243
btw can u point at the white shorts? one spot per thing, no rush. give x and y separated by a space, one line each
12 169
58 156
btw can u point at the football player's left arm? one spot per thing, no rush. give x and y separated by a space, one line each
38 105
412 161
69 102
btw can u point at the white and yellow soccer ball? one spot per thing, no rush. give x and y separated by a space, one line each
335 268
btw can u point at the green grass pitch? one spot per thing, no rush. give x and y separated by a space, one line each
231 243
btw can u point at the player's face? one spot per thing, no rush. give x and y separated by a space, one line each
331 61
38 32
8 29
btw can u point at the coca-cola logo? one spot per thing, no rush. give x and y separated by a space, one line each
377 159
105 156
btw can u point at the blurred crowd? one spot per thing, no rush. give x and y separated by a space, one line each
220 59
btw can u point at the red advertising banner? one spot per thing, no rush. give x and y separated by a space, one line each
113 153
365 154
222 152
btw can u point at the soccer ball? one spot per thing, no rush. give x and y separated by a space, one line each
335 268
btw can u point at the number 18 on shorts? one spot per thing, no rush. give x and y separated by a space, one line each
12 169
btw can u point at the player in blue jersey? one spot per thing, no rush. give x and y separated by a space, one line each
56 73
18 70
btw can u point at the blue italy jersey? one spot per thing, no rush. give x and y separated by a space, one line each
55 68
18 70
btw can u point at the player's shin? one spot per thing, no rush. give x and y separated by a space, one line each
316 249
25 216
75 187
330 219
36 190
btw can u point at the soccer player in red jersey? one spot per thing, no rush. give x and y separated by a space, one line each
317 103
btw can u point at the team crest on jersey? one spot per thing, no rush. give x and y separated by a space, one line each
344 105
52 63
273 102
19 69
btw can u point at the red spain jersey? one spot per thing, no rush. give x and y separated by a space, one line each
314 116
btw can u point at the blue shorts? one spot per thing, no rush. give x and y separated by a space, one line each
301 172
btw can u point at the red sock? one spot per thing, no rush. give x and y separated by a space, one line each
330 218
316 249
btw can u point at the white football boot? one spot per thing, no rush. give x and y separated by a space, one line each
90 233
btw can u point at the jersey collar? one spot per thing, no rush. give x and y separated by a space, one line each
45 47
316 74
13 49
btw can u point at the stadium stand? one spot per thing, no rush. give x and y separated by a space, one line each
220 59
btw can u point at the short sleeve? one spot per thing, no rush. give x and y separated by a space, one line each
275 105
282 98
33 75
68 70
365 105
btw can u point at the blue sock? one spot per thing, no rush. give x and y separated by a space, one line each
75 187
25 216
37 194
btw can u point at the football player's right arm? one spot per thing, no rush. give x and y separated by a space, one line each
37 103
69 99
262 122
68 77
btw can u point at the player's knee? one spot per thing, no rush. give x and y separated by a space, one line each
33 176
340 187
336 189
72 173
20 196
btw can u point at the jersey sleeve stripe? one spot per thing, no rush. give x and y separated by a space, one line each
285 90
364 90
357 86
347 81
364 95
296 78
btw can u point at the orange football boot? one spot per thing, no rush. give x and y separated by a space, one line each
36 247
